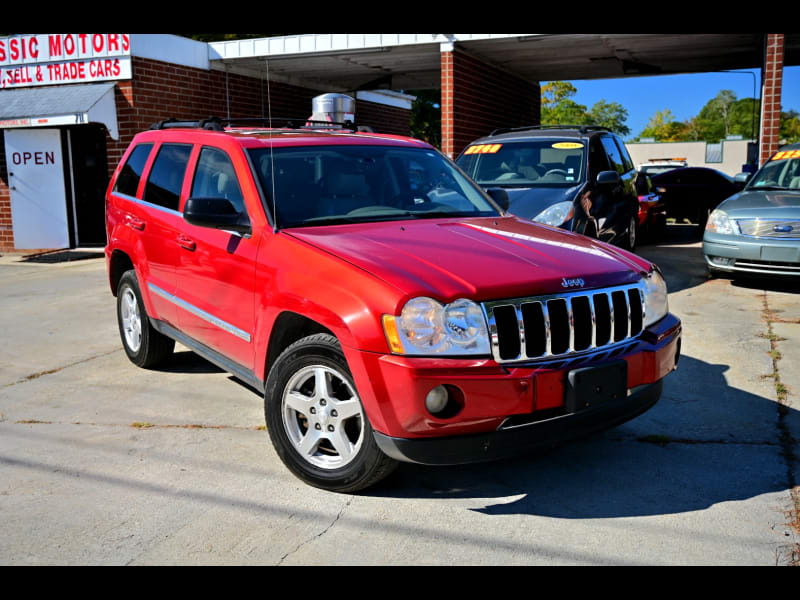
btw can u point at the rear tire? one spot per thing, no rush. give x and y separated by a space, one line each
144 346
316 421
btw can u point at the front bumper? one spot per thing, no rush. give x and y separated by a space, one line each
740 254
516 439
505 409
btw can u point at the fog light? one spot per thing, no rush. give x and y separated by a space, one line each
436 400
722 261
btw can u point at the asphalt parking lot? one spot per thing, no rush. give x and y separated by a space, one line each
102 463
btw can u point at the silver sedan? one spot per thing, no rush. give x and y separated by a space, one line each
757 231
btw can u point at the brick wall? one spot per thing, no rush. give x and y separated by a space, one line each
478 98
383 119
162 90
6 231
771 95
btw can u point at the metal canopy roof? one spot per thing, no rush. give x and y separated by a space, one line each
346 62
60 105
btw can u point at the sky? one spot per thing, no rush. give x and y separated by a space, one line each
683 95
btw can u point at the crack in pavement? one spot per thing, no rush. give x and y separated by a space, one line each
140 425
317 536
791 552
38 374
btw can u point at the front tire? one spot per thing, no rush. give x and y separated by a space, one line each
630 240
144 346
316 421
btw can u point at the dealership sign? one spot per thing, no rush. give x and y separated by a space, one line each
29 60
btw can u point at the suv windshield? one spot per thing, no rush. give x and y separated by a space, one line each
525 164
319 185
781 173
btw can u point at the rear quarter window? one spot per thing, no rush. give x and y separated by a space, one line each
131 173
626 158
614 156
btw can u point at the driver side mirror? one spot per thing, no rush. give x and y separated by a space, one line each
500 196
742 178
608 178
215 213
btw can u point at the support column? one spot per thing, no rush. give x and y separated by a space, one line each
771 87
478 98
447 99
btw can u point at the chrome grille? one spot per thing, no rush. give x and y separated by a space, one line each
563 325
770 228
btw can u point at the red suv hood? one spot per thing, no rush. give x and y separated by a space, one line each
477 258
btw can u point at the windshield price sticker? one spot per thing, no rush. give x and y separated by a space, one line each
567 145
787 154
483 149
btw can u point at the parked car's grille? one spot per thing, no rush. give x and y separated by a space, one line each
564 324
771 228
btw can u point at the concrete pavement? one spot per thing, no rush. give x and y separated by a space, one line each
105 463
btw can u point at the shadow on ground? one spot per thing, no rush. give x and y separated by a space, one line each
632 470
62 256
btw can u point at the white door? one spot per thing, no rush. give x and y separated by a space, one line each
36 182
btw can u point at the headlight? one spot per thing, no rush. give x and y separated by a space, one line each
557 214
655 298
426 327
718 222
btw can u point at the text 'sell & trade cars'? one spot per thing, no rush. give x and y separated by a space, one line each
386 307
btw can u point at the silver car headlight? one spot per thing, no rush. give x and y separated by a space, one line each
425 327
718 222
557 214
655 297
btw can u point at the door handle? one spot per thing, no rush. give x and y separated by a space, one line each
186 242
134 223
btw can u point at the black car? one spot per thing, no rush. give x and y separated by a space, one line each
579 178
693 192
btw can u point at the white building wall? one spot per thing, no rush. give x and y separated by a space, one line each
734 154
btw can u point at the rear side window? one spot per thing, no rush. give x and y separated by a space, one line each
614 157
216 178
626 158
130 174
166 177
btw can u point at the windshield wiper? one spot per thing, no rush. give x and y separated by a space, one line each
772 187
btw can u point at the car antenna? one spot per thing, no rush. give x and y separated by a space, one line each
271 158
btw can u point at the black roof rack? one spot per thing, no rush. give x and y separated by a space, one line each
581 128
217 124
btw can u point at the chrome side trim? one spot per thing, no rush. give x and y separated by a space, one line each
148 204
200 313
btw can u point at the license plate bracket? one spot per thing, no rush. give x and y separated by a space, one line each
590 387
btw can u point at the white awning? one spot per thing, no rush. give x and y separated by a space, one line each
60 105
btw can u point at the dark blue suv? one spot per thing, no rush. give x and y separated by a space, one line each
579 178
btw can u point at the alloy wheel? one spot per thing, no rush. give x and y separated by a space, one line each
322 417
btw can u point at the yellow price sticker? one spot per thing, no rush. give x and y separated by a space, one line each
483 149
786 154
567 145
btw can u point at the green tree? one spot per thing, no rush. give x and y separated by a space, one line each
559 108
790 126
426 116
714 118
609 114
663 127
743 118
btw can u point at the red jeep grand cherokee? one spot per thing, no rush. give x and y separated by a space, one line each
389 309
